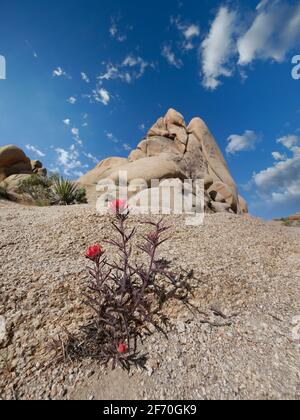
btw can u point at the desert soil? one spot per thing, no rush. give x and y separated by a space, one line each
246 268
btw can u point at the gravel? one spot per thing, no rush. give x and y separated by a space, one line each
247 286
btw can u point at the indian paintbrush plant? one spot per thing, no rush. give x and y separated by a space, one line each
126 297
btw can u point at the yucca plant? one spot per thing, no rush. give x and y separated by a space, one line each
66 191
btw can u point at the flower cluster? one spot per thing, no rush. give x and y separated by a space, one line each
94 252
119 208
126 296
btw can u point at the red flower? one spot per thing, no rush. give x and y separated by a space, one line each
118 206
122 348
94 252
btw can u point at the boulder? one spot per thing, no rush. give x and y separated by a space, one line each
171 126
216 164
220 207
167 198
172 150
35 165
208 182
295 217
136 155
243 205
193 156
150 168
13 161
174 117
102 170
222 193
11 183
159 129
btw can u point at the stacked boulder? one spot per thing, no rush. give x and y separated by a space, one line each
175 151
15 166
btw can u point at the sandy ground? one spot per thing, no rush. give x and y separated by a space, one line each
246 268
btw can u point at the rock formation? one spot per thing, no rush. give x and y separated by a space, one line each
15 166
176 151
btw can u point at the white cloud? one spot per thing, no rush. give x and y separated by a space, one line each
131 68
279 156
170 56
262 4
274 31
72 100
85 77
111 73
111 137
232 44
76 136
242 143
142 127
59 72
191 31
218 48
33 149
69 162
75 131
280 183
127 147
67 121
101 95
91 157
187 31
115 32
289 141
138 63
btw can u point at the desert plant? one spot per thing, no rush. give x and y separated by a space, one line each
37 187
80 196
46 191
67 192
126 297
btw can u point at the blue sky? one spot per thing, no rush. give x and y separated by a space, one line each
86 79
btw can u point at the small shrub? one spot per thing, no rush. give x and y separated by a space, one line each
290 223
126 297
54 190
37 187
80 196
67 192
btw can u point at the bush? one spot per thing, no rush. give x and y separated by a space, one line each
80 196
126 297
66 192
37 187
51 191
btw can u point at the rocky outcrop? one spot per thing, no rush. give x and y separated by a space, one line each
15 166
13 161
294 218
174 150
